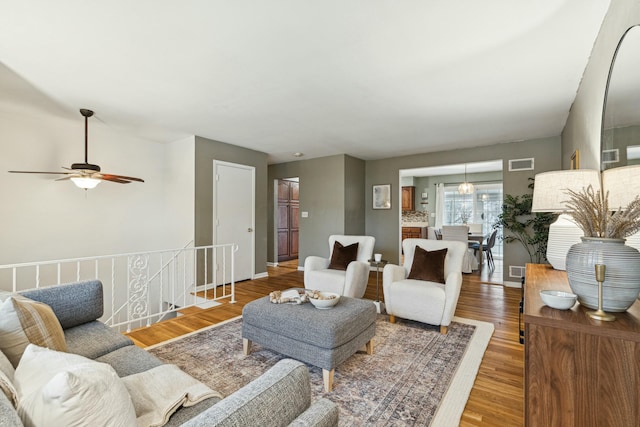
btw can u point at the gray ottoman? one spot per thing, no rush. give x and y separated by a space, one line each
323 338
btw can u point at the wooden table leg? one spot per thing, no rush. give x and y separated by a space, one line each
370 347
246 346
327 377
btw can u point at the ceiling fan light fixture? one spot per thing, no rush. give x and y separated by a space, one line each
85 182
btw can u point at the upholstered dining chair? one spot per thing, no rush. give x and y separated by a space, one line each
460 233
486 248
475 228
426 288
346 271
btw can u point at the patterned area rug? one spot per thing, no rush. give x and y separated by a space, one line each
416 376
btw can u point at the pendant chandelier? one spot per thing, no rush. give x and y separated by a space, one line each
466 187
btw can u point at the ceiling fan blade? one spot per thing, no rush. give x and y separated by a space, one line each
64 178
128 178
52 173
113 178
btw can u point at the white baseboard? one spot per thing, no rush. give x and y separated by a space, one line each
512 284
300 268
272 264
261 275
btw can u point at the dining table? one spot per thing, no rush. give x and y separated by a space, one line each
479 238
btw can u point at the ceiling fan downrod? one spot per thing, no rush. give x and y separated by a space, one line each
86 165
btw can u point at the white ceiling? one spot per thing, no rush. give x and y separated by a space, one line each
369 78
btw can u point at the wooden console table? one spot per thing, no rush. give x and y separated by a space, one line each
578 371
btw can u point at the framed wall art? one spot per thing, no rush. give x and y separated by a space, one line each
382 196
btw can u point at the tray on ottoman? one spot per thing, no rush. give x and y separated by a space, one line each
323 338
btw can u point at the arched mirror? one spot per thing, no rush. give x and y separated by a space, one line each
620 144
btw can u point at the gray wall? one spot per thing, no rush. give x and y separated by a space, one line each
583 127
331 191
207 150
354 196
384 225
621 138
322 196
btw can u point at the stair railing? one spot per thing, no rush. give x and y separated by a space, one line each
139 288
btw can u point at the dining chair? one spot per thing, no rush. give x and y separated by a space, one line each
460 233
486 248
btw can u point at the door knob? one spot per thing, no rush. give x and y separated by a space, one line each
250 230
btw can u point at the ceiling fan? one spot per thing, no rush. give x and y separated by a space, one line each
86 175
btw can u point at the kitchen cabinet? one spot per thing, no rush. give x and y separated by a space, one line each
409 198
414 233
578 371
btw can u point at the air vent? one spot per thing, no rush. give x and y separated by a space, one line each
516 271
521 165
633 152
610 156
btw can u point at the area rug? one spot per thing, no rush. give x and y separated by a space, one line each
416 376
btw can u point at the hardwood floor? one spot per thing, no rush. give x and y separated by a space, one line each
497 397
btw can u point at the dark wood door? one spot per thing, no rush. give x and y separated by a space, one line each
288 219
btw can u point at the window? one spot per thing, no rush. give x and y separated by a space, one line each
481 207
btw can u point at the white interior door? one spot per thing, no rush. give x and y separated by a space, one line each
234 214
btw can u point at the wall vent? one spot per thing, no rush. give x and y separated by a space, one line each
516 271
521 165
610 156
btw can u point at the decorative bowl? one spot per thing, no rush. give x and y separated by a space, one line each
558 299
326 300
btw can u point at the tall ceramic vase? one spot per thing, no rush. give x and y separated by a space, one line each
622 278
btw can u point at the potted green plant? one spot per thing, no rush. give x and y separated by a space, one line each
531 230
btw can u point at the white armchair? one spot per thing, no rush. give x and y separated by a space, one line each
424 301
351 282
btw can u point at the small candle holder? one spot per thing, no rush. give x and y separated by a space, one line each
599 314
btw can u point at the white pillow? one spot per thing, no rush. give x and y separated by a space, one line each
64 389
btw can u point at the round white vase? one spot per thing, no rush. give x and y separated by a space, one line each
622 277
563 234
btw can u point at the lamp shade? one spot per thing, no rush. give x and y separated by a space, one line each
550 189
623 185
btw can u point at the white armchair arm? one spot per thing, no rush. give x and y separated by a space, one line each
312 263
452 292
391 273
357 276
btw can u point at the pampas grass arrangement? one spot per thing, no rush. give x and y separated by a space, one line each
590 211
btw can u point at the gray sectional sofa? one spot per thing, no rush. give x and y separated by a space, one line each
280 397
